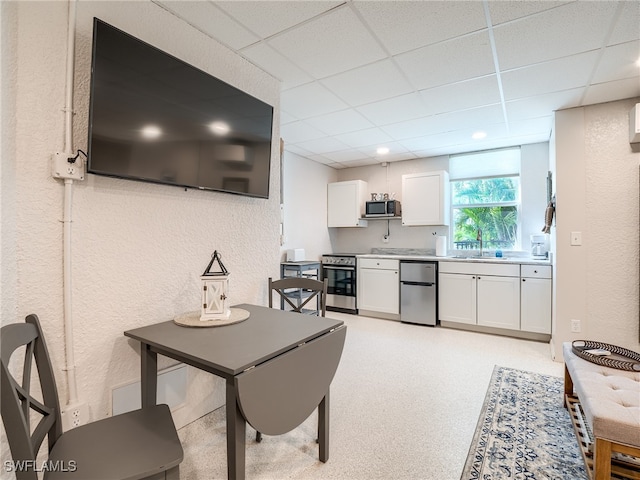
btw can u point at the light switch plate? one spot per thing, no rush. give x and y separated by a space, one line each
576 238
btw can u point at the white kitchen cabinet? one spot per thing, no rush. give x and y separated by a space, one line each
535 299
345 203
425 198
484 294
379 287
499 301
457 298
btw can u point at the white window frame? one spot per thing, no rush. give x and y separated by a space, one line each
517 203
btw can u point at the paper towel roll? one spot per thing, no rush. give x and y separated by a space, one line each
441 246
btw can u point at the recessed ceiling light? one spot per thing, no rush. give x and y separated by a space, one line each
479 135
151 131
382 150
220 128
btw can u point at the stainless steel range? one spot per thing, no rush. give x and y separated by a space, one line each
340 270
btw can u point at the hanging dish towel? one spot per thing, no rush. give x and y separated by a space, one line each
548 217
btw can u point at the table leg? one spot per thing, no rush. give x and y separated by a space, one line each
236 431
148 375
323 428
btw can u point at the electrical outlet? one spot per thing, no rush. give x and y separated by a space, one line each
61 167
575 326
74 416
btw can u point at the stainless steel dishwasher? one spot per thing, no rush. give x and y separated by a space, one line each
418 295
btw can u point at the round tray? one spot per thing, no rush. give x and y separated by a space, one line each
620 359
192 319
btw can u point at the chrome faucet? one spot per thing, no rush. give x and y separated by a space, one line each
479 237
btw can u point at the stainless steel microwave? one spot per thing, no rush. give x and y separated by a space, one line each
382 208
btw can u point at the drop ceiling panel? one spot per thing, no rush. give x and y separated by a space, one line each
268 18
627 27
416 24
209 19
542 105
272 62
323 145
297 150
298 132
463 95
532 126
473 118
310 100
617 62
345 155
359 74
340 122
452 61
369 83
394 109
573 28
506 11
364 138
329 44
610 91
545 78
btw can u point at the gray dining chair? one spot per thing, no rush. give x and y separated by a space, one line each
298 292
142 444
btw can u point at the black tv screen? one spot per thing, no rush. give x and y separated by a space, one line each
158 119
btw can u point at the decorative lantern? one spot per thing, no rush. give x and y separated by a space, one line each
215 289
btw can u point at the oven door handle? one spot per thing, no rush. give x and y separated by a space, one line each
339 268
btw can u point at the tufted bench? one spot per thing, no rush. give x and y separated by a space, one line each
606 403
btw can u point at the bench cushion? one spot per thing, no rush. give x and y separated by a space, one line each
610 398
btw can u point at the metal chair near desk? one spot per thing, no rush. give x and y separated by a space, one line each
138 444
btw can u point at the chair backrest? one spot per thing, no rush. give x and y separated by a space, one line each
18 405
297 292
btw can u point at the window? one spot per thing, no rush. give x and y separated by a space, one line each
485 195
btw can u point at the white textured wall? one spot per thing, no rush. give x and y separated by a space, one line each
598 195
138 248
305 206
7 166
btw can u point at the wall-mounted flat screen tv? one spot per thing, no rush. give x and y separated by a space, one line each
158 119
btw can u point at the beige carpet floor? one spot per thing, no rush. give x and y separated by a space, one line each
404 405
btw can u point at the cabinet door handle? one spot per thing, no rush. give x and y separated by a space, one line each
524 279
473 278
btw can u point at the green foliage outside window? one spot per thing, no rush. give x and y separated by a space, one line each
490 204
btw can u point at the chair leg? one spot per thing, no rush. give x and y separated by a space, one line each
258 436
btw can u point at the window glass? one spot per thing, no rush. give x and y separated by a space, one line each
487 203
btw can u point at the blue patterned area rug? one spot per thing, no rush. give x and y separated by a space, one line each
524 431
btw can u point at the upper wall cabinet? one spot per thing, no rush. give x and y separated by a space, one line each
345 203
425 198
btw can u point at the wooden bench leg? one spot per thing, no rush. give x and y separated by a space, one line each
602 459
568 385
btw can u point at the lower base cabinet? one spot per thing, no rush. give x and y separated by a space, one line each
457 297
535 299
484 294
499 301
379 286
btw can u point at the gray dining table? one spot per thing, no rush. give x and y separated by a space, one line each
278 367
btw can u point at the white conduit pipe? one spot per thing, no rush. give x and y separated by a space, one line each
67 219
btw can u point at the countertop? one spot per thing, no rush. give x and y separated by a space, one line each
426 255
